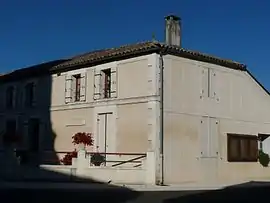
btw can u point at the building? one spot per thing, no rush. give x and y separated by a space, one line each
202 122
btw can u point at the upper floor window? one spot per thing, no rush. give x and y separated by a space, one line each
242 148
105 83
10 97
29 94
75 90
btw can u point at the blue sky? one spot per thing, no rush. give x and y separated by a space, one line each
37 31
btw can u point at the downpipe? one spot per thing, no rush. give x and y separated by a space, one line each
161 133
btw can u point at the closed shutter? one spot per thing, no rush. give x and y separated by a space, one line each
25 144
213 84
83 87
204 137
233 148
253 149
114 82
204 91
68 89
97 85
214 137
35 92
14 99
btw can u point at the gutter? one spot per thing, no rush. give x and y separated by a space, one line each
161 130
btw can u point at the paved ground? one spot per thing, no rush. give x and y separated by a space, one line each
81 192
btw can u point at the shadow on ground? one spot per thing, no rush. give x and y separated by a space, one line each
25 110
28 182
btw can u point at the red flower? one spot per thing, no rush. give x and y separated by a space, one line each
67 160
83 138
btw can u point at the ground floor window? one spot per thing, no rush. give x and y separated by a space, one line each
242 148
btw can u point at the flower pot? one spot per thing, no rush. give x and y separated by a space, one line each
81 146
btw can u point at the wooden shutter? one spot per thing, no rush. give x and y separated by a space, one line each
204 91
253 144
233 148
97 84
83 87
68 89
114 82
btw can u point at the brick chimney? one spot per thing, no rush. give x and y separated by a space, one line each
173 30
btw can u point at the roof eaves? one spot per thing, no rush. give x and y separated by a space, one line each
174 50
146 48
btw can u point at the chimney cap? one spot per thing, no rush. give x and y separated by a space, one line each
173 17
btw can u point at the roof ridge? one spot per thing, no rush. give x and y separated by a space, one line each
140 48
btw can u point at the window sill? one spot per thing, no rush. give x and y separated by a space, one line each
242 161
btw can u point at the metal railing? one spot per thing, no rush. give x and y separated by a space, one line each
117 159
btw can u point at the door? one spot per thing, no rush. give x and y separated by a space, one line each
104 123
33 134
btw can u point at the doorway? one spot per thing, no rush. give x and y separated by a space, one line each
104 122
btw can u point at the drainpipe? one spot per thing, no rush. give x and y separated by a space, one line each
161 133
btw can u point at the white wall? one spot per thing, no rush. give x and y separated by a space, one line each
236 104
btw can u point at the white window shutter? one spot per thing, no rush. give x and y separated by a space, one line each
68 89
213 83
97 84
204 91
83 87
114 82
214 137
35 94
204 137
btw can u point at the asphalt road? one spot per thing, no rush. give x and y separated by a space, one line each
249 192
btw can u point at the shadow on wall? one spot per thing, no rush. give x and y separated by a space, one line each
16 184
28 117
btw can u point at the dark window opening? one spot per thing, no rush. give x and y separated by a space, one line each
242 148
106 83
77 87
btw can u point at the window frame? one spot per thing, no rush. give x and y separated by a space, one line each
241 157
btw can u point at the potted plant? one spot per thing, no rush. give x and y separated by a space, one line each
82 139
67 159
97 159
263 158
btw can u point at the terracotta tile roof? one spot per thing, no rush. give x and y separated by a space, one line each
32 71
132 50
